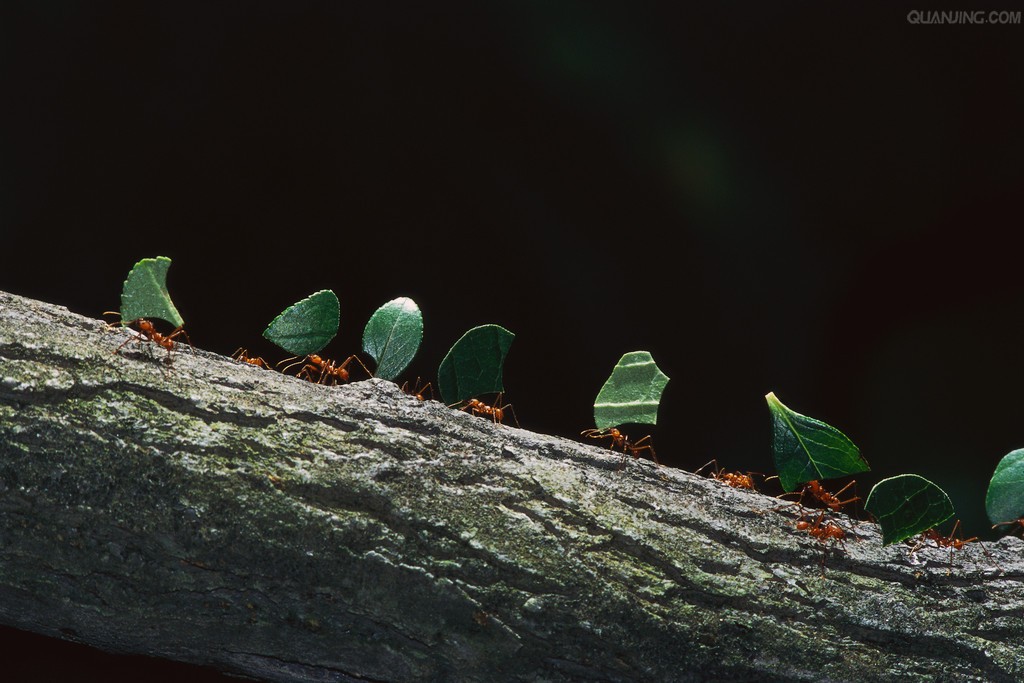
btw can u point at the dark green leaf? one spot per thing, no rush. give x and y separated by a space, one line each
806 449
632 393
306 327
907 505
1004 501
144 294
474 364
393 335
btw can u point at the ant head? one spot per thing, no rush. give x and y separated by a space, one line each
146 326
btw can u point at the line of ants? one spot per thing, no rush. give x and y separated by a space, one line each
312 367
825 526
319 370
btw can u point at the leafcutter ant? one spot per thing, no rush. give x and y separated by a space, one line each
242 354
496 412
822 529
418 390
954 541
147 332
737 480
819 493
622 442
326 371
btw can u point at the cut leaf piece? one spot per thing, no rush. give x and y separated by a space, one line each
144 294
805 449
474 364
632 393
306 327
1004 501
907 505
393 335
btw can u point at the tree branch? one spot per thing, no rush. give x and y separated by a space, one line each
216 513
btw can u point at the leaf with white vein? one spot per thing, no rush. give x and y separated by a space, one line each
632 393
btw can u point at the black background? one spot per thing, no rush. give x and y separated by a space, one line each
789 197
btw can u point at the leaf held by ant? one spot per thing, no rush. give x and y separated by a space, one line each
907 505
632 393
474 364
144 293
307 326
393 335
806 449
1004 501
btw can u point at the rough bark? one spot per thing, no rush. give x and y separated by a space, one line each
216 513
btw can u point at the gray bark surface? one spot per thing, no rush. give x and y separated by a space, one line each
221 514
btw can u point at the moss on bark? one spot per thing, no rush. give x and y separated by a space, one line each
217 513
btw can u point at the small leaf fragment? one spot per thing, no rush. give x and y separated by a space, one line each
144 293
392 336
306 326
805 449
474 364
632 393
907 505
1004 501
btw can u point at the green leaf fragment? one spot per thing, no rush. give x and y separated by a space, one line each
144 294
907 505
393 335
805 449
306 326
474 364
632 393
1004 501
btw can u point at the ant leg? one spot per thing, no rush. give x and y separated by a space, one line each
357 359
181 330
838 493
289 367
129 340
713 461
513 411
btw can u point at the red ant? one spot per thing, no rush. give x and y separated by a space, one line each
242 354
820 531
495 412
822 495
951 541
623 442
147 333
737 480
418 390
328 369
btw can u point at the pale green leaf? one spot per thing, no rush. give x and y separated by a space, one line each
144 294
632 393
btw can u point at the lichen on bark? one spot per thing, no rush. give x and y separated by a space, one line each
218 513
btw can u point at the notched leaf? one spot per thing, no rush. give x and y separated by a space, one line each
632 393
144 294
